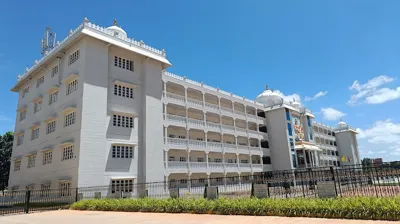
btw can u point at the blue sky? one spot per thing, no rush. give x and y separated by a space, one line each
347 51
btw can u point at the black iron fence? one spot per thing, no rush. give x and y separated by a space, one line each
307 183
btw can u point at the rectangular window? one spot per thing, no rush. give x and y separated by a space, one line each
54 71
287 114
69 119
124 185
68 153
289 126
72 87
38 106
171 158
51 127
294 160
17 165
22 115
200 159
219 179
123 63
244 161
35 133
122 121
65 189
182 159
47 157
121 151
73 57
20 140
53 98
217 160
39 82
308 121
45 190
31 161
25 92
123 91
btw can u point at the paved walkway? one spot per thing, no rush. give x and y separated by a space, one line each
84 217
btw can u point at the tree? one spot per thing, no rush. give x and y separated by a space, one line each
366 162
6 143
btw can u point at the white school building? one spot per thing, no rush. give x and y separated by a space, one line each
101 109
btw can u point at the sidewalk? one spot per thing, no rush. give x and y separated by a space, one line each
84 217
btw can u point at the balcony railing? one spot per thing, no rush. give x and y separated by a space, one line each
214 145
240 113
253 132
176 118
241 130
195 102
197 143
225 109
212 106
177 141
216 166
198 165
254 148
227 127
229 146
177 165
244 165
257 166
196 122
213 125
245 147
176 97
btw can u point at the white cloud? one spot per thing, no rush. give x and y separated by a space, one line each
316 96
294 96
331 114
382 136
4 118
372 92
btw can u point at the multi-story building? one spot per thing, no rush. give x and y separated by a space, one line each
100 109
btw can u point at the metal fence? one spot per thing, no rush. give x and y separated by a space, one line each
307 183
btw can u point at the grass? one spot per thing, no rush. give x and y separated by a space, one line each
344 208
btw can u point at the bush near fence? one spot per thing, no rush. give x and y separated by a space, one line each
370 208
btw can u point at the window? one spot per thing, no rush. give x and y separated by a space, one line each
35 133
171 158
74 57
39 82
122 121
25 92
219 179
123 91
31 161
20 140
202 180
287 114
38 106
200 159
69 119
65 189
182 159
266 160
231 160
309 121
47 157
218 160
54 71
22 115
51 127
289 126
72 87
17 165
123 63
122 185
45 190
53 97
294 160
120 151
68 153
183 181
244 161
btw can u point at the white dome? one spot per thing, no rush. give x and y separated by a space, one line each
269 97
118 31
296 104
342 123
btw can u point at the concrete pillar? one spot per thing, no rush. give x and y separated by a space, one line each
305 157
207 160
185 96
166 159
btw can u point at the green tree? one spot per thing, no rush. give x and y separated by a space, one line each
366 162
6 143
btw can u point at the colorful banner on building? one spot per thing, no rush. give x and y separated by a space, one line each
298 128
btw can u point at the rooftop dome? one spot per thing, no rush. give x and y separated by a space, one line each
269 97
342 123
118 31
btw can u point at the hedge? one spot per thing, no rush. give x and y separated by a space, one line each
344 208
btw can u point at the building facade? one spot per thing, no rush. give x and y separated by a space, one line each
100 109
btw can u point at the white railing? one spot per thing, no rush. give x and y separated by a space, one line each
195 102
177 141
177 97
228 127
197 143
195 122
212 106
229 110
213 125
257 166
198 165
231 166
177 165
176 118
214 145
253 132
244 165
245 147
240 113
229 146
240 130
254 148
216 166
252 116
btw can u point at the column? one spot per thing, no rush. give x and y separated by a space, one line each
245 112
165 89
204 99
219 105
240 179
233 107
237 160
185 95
166 159
223 161
208 166
166 135
225 180
208 180
189 184
236 144
305 158
205 135
205 119
188 159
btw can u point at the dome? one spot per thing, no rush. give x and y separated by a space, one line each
118 31
269 97
296 104
342 123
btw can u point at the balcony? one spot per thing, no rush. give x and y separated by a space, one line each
195 103
240 114
257 167
253 133
212 107
255 149
215 146
228 129
229 147
216 167
195 144
201 166
195 123
252 117
243 149
179 99
176 120
241 131
214 126
245 167
231 167
177 143
178 166
227 111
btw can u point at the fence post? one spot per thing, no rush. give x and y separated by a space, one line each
334 179
76 194
27 199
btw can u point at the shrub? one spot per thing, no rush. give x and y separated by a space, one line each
347 208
